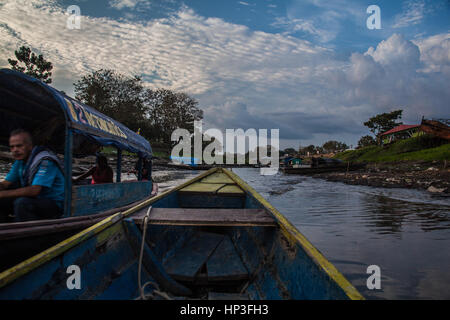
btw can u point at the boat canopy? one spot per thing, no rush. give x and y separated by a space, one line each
28 103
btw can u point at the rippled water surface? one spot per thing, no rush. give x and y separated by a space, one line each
405 232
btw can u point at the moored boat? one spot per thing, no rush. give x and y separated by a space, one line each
213 237
324 169
72 130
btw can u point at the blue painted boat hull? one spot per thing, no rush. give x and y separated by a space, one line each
231 259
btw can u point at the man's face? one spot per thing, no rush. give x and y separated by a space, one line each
21 146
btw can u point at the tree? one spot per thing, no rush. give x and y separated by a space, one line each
167 111
156 112
35 66
366 141
384 122
333 146
290 151
311 149
114 95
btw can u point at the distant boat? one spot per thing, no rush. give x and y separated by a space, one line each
324 169
438 128
213 237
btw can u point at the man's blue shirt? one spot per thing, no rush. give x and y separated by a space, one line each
48 176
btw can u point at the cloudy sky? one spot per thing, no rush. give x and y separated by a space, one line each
310 68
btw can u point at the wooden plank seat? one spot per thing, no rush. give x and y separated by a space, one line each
206 217
213 189
217 183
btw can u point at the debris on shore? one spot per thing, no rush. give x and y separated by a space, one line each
431 176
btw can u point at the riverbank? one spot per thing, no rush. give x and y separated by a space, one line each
423 148
433 176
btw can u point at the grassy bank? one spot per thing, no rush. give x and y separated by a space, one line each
424 148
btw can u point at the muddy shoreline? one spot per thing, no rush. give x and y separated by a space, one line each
431 176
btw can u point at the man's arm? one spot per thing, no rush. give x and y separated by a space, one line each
31 191
5 184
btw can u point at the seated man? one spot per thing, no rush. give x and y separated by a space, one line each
34 187
101 173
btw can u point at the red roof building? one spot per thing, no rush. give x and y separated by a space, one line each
400 128
401 132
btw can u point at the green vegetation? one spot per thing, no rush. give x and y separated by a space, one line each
31 64
154 113
384 122
161 154
425 148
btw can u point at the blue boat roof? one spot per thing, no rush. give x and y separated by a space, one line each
28 103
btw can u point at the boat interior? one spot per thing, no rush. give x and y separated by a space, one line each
207 239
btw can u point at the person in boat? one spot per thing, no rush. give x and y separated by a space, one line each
34 187
101 173
146 168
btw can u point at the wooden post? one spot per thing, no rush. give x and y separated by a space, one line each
119 165
68 173
140 169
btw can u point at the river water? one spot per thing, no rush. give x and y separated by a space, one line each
404 232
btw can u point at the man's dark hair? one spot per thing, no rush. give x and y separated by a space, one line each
16 132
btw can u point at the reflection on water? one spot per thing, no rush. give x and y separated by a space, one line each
405 232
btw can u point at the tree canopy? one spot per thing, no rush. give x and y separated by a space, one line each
167 110
113 94
31 64
384 122
366 141
157 113
333 146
